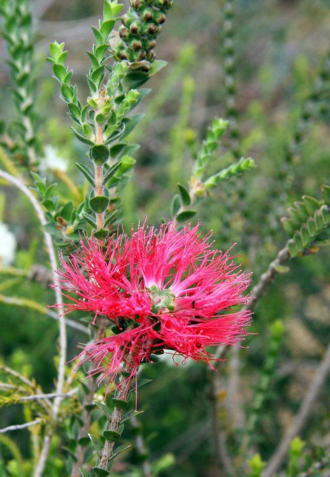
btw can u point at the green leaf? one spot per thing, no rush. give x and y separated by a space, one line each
59 72
127 163
99 154
107 28
185 196
110 218
112 436
98 472
87 173
157 66
186 215
99 203
101 234
131 123
85 473
131 414
231 171
97 444
104 408
83 441
82 138
66 211
98 36
107 11
326 194
89 219
67 92
111 172
118 451
120 403
176 204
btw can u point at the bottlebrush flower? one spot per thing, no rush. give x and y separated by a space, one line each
163 290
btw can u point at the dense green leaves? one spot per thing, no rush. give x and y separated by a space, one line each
308 223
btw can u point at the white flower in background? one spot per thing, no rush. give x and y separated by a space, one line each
52 161
7 245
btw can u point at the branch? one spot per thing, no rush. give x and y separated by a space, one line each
63 344
23 302
39 397
302 416
86 413
21 426
268 277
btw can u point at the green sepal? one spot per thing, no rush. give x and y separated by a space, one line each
99 154
99 204
186 215
112 436
120 403
184 194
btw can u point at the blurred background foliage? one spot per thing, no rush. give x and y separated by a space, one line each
280 46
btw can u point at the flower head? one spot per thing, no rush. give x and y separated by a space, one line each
163 290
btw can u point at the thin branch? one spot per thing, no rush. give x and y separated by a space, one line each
21 426
268 277
23 302
302 416
62 328
17 375
40 397
86 413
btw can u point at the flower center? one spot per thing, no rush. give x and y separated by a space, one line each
161 299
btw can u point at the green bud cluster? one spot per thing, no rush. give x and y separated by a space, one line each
140 27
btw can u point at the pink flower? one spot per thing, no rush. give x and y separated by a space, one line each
164 290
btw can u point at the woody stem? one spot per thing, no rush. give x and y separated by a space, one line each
121 395
99 189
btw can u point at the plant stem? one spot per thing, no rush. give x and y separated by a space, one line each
99 189
86 414
123 389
